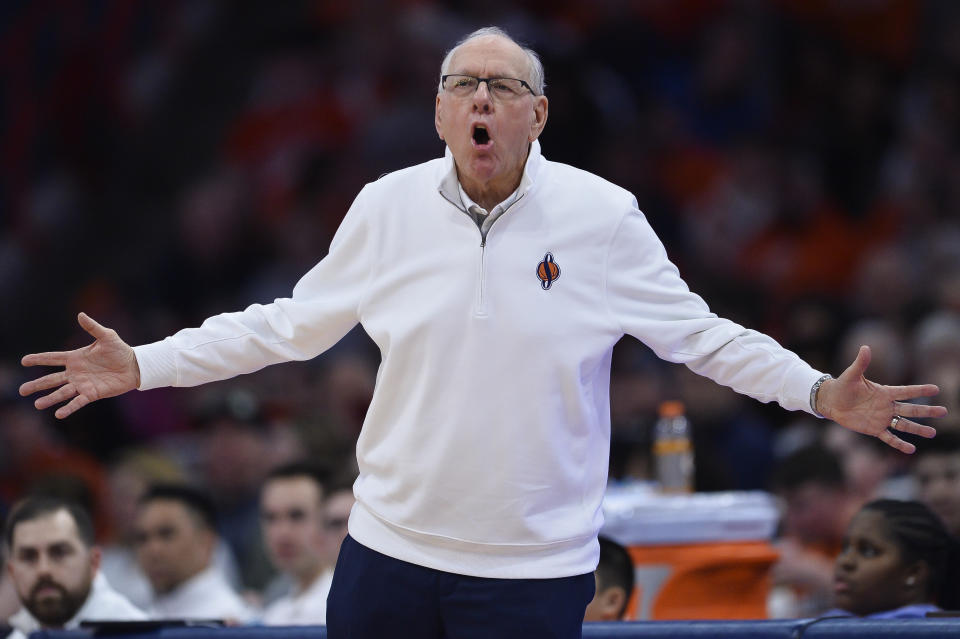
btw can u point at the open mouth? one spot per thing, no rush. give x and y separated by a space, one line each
481 137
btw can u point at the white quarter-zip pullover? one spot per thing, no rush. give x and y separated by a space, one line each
508 482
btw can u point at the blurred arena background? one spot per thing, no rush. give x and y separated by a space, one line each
163 161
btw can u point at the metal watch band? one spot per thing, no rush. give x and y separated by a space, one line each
814 391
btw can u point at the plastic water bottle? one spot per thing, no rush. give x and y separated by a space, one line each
672 449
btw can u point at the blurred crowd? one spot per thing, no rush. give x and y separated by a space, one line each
162 162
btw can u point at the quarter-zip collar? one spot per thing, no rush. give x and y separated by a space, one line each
453 192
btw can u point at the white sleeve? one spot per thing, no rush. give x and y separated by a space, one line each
323 308
650 301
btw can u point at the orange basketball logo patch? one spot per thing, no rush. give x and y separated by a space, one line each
548 271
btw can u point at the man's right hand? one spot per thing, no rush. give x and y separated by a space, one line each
105 368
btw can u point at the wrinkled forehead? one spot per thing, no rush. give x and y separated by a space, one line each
491 56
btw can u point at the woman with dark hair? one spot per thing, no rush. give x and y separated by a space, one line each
898 561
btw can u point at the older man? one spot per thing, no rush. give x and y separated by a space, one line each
54 566
495 283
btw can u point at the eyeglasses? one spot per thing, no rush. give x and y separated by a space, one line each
463 86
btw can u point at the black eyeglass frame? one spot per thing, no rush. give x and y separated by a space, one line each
443 80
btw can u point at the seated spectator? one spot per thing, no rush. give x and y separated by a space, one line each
615 578
54 566
130 476
936 469
236 453
818 506
898 561
291 513
175 537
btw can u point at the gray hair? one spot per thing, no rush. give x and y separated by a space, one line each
536 78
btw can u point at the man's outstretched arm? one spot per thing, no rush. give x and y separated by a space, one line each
105 368
323 308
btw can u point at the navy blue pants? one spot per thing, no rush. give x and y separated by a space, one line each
374 596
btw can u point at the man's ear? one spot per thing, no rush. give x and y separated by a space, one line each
208 541
437 117
612 600
540 111
96 555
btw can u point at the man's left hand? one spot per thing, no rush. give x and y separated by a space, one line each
854 402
